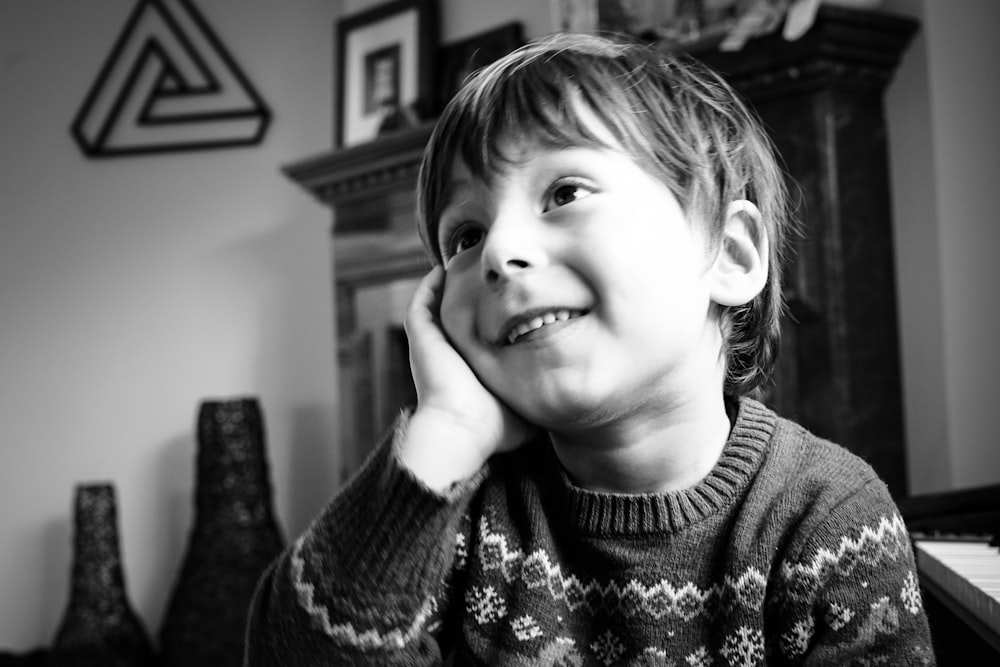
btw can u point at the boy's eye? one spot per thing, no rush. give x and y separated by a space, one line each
462 238
565 192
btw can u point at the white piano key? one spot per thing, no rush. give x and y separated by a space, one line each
968 569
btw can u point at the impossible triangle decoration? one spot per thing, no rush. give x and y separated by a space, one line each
169 85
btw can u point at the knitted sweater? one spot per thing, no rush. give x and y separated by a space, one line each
790 552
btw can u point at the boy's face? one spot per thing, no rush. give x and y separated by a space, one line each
576 288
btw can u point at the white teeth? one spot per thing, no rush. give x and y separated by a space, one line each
537 323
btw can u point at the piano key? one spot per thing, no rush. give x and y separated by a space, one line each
969 571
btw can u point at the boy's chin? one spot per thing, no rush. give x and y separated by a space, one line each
561 415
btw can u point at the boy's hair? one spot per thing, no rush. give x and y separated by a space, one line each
676 118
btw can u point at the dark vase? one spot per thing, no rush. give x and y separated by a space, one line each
99 625
233 539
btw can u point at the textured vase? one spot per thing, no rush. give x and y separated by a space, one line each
233 538
99 625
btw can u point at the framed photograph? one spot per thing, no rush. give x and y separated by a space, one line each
460 59
384 67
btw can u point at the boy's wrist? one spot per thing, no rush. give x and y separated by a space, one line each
439 450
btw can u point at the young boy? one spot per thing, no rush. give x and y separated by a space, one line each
586 478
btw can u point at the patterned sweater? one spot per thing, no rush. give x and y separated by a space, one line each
790 552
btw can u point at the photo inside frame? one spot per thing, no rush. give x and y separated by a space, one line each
382 79
381 65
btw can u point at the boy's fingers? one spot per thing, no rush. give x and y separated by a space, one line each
430 285
426 297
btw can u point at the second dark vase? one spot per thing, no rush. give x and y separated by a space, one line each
233 539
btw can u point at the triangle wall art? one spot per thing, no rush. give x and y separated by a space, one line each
169 84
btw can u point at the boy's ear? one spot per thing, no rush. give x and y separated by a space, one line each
741 265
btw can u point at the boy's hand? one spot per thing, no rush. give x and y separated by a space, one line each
458 424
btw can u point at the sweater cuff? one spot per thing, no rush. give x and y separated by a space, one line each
387 530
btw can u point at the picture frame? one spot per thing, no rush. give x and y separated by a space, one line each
461 58
385 67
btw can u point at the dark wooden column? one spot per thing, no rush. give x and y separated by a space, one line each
821 98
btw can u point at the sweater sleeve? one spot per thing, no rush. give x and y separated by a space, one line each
366 583
851 595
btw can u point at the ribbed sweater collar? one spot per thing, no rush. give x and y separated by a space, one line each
597 513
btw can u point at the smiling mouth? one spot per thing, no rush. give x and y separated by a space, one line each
539 321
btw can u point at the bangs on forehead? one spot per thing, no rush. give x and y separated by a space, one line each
538 100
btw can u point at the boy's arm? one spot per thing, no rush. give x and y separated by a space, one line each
852 595
363 585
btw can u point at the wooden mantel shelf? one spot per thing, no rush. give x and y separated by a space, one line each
363 172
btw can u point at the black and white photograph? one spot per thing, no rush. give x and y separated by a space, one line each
499 332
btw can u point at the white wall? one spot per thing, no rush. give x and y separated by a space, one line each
133 288
945 156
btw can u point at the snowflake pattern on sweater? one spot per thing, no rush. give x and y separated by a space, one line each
634 599
790 552
875 547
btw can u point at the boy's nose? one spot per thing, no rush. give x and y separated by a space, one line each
504 270
509 250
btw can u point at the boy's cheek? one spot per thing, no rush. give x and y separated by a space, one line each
456 320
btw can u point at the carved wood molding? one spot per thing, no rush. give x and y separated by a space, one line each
365 171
